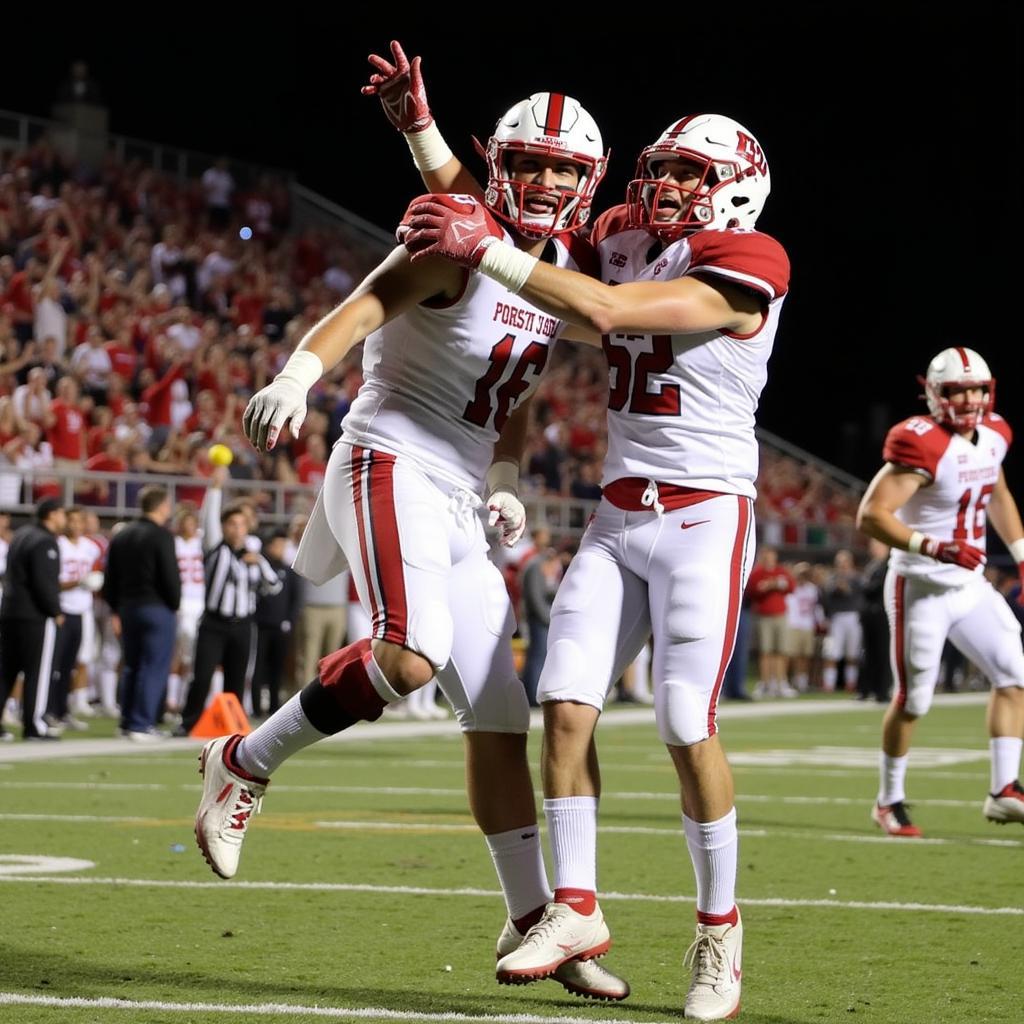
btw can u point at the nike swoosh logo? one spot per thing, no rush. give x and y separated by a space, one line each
736 972
699 522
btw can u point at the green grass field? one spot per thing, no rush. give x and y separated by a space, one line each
364 880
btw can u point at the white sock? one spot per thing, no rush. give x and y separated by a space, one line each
829 674
572 827
893 772
713 847
174 690
284 733
519 861
850 676
108 689
1005 753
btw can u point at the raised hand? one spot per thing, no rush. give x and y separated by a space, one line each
400 89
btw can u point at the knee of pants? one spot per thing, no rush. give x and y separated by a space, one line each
501 706
682 714
430 632
919 698
568 674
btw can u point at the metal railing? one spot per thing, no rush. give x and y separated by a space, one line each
114 496
24 130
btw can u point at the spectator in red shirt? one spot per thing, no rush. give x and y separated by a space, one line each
19 297
123 358
312 465
65 426
110 460
157 398
768 586
102 419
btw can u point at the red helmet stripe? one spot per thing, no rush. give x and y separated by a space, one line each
553 118
963 359
680 125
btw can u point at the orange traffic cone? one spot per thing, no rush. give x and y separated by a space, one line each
223 715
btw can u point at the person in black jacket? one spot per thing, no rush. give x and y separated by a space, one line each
143 588
30 615
876 673
276 615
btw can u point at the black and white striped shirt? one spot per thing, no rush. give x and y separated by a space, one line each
232 586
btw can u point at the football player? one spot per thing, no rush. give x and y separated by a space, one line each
688 332
931 501
451 359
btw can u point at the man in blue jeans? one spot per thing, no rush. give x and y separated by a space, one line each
143 588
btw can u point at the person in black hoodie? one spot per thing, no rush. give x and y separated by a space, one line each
30 615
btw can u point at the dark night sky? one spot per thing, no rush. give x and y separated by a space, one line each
894 142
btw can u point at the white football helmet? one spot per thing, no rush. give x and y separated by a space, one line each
734 180
958 368
547 124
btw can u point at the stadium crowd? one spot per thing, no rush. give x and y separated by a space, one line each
139 313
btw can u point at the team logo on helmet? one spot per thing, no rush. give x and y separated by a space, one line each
727 179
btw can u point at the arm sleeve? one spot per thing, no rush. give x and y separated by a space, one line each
168 572
270 582
209 517
111 577
45 577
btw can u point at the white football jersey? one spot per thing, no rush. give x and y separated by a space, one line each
441 380
77 560
802 607
681 407
190 567
961 475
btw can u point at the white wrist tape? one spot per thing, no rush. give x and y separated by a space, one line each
507 265
917 542
428 148
503 476
1017 549
303 367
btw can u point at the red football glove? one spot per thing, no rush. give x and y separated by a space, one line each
401 91
953 552
456 227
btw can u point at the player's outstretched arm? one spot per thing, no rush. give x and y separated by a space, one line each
398 84
394 287
465 234
1005 516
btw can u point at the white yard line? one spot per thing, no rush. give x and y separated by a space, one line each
359 825
69 748
632 796
289 1010
409 890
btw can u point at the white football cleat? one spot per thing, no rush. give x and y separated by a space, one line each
715 957
229 799
585 978
1006 805
560 935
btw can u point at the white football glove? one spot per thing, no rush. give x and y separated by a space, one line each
282 401
506 510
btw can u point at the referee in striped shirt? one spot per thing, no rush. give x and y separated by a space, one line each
235 577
